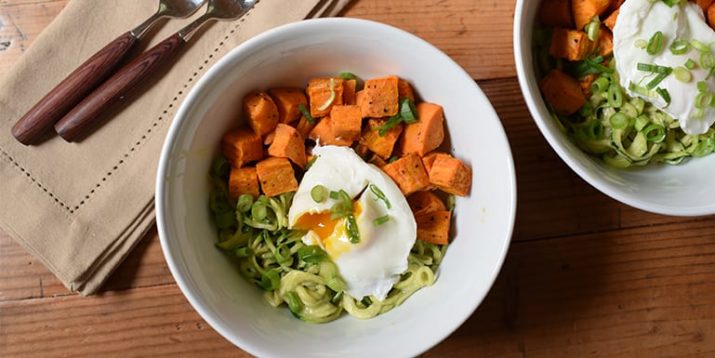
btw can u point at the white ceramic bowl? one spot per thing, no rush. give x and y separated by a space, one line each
684 190
290 55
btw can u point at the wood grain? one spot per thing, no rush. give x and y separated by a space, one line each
586 275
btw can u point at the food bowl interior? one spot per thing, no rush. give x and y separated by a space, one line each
290 56
684 190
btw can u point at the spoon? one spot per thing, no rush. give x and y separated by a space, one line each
31 127
79 120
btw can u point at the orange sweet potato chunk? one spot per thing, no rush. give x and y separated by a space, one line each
241 146
451 175
605 42
428 160
243 181
427 133
404 90
319 94
380 145
433 227
276 176
288 143
704 4
380 97
585 10
562 92
610 21
555 13
572 45
409 174
349 89
261 112
323 134
425 202
346 122
304 126
288 100
711 15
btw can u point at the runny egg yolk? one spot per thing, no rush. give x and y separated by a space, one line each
331 232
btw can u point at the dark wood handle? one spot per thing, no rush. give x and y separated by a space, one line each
35 123
77 123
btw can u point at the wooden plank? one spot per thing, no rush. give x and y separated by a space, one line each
645 290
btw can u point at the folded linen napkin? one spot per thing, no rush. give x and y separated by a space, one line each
81 207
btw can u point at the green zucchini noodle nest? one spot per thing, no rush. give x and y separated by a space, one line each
623 131
255 234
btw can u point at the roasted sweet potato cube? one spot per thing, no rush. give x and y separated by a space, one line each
319 94
425 202
276 176
610 21
404 90
427 133
585 10
288 143
241 146
304 126
243 181
433 227
288 100
451 175
409 174
379 162
360 98
585 82
323 134
555 13
704 4
711 15
562 92
380 97
261 112
428 160
349 88
346 122
380 145
605 42
616 4
572 45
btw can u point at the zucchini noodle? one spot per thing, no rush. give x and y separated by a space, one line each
274 258
623 131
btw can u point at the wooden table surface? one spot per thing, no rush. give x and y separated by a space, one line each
585 275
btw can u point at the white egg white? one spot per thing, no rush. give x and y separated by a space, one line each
372 266
637 21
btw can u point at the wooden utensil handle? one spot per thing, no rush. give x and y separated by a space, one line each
77 122
71 90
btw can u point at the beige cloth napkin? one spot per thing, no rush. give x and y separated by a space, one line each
81 207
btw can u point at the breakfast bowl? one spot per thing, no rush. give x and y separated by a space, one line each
681 190
291 55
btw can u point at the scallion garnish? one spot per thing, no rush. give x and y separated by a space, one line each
352 229
655 44
664 94
656 81
699 46
679 47
707 60
646 67
381 220
304 111
319 193
615 96
593 28
690 64
380 195
640 43
654 133
618 120
703 86
347 75
703 99
682 74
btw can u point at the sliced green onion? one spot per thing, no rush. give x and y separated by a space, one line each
646 67
245 201
331 87
703 99
294 303
664 94
347 75
312 254
380 195
334 195
707 60
393 122
592 29
699 113
600 85
655 44
656 81
641 44
304 111
352 229
699 46
679 47
654 133
615 96
682 74
619 120
381 220
690 64
703 86
319 193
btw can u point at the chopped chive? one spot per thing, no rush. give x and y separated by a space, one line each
682 74
655 44
664 94
690 64
319 193
380 195
703 86
657 80
699 46
679 47
615 96
646 67
352 229
654 133
381 220
703 99
600 85
334 195
618 120
641 44
707 60
593 28
306 114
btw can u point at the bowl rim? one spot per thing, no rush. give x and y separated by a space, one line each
196 302
536 111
